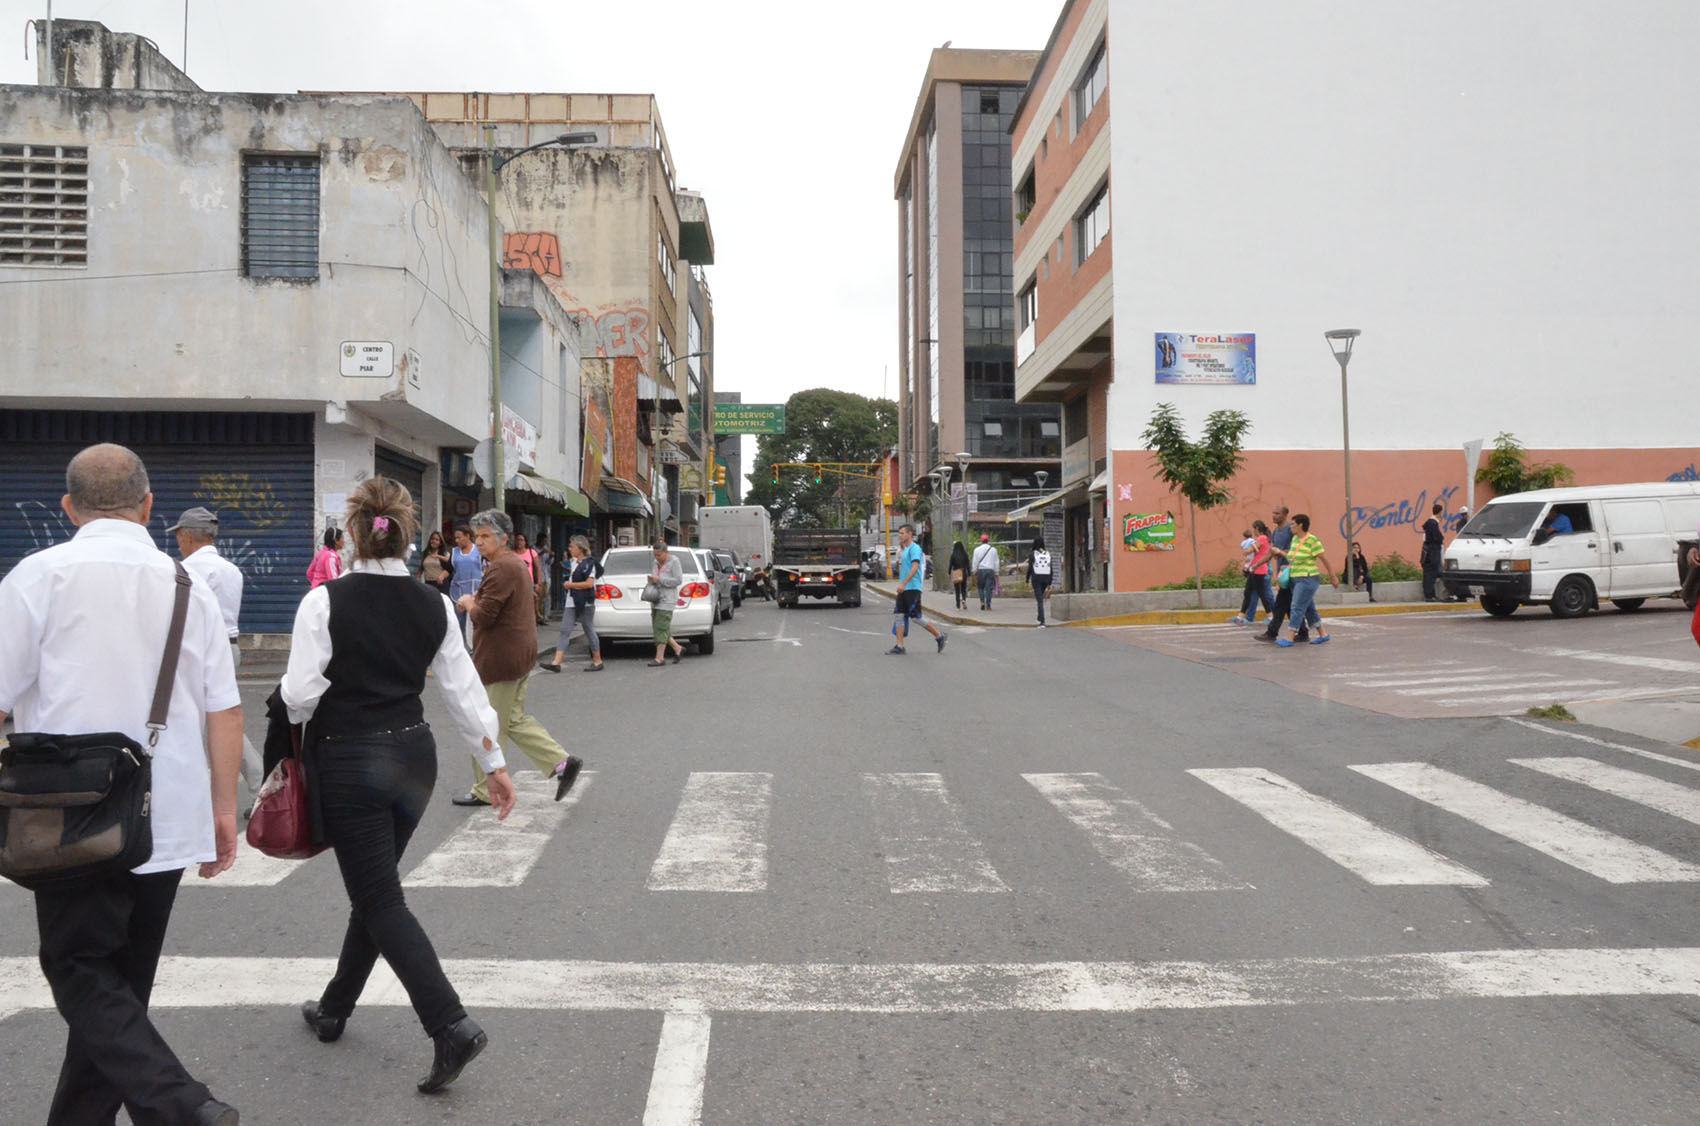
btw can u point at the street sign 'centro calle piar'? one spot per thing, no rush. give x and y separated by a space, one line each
749 418
368 359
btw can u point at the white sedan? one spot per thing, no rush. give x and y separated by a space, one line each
622 615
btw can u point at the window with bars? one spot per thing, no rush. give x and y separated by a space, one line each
44 205
280 216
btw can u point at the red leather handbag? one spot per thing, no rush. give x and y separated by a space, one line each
281 825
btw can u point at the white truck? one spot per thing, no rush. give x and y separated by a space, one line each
746 529
1571 549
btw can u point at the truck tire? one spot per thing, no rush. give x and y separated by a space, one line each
1498 606
1573 597
854 602
1628 605
705 643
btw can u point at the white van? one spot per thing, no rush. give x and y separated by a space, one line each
1570 548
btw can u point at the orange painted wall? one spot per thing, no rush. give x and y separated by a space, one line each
1391 489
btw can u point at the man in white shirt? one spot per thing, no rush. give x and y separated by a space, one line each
986 571
85 624
195 531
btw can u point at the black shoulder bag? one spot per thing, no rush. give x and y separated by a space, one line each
77 807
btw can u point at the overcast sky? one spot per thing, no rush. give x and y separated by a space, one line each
789 117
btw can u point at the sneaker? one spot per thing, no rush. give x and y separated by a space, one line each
942 638
1284 642
468 798
1041 625
895 651
1239 620
1320 640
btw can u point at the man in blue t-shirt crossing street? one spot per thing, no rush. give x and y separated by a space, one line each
909 571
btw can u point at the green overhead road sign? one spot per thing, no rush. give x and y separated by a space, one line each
749 418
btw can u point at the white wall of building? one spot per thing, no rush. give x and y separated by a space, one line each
1500 195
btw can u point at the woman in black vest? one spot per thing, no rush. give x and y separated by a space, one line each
357 666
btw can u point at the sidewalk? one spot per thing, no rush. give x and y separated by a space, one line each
1019 610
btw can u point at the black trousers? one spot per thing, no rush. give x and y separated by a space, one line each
1283 610
100 946
1431 569
372 790
961 588
1041 584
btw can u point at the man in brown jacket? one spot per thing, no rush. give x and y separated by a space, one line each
504 648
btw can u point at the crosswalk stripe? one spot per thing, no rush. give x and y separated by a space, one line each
1521 699
1131 838
1404 681
718 838
487 853
1654 793
253 869
1351 841
1629 660
1565 839
927 847
1524 685
1624 747
680 1071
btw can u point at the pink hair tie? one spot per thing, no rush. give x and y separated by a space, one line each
380 523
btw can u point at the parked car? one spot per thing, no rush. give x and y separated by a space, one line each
623 615
730 563
722 580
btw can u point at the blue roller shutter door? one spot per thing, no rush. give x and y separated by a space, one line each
254 470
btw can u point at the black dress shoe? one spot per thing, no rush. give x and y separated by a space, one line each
468 798
214 1113
456 1046
567 775
326 1028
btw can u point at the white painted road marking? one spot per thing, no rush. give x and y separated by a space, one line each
1565 839
1523 685
253 869
718 838
1476 676
487 853
1654 793
1018 987
1379 856
927 847
681 1070
1662 664
1132 838
1577 735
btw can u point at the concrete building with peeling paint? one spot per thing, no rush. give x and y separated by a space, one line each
269 297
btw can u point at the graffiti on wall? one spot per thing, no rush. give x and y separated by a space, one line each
1689 474
615 332
47 523
243 494
537 251
1409 512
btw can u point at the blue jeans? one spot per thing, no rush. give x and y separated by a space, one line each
986 581
581 616
1304 602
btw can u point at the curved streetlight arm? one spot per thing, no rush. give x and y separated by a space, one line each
566 140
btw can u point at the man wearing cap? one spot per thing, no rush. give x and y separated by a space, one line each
986 571
195 530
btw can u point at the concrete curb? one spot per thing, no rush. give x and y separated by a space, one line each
954 619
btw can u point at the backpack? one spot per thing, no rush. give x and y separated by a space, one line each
1042 563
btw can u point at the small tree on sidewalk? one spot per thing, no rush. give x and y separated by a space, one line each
1507 471
1199 471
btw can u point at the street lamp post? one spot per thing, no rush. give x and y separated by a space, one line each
494 163
962 471
1340 341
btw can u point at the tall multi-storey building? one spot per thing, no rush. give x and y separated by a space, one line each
607 228
1064 314
959 418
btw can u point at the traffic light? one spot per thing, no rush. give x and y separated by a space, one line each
776 475
720 476
817 474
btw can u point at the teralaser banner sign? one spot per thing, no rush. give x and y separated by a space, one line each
1184 357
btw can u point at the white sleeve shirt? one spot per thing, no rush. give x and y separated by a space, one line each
205 565
304 682
84 624
985 558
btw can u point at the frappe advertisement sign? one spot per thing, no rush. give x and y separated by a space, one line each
1184 357
1149 531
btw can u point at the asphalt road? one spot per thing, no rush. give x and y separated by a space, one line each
1043 877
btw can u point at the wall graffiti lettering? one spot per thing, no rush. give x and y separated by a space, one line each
1689 474
47 524
537 251
617 332
244 494
1408 512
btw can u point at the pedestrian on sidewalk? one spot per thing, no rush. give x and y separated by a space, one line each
545 569
986 570
436 566
1279 541
1307 564
467 568
1039 575
85 623
357 663
326 563
669 576
580 585
908 608
1357 568
196 530
1256 576
1433 543
504 647
959 573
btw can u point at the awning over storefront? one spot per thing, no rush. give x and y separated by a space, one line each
563 494
1028 509
1100 483
621 496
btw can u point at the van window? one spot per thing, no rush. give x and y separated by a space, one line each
1576 513
1504 519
